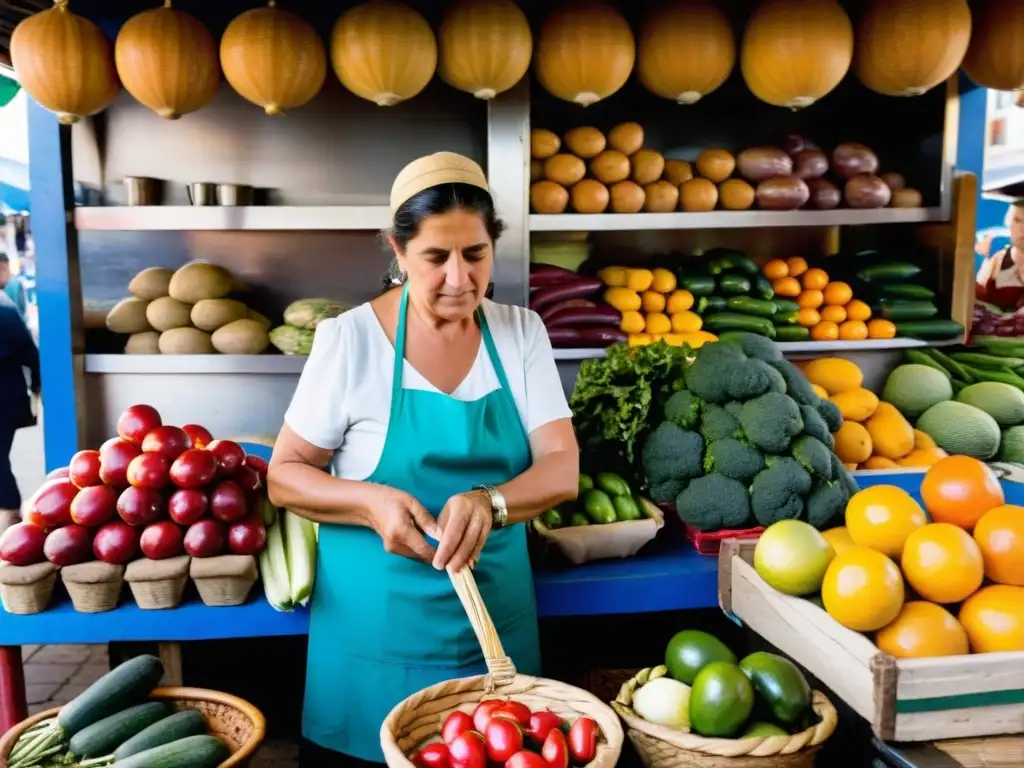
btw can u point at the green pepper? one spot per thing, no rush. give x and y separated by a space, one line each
599 507
626 508
612 484
586 483
577 519
554 518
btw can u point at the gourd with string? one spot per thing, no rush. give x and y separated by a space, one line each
167 60
585 52
995 58
383 51
65 63
484 46
686 50
795 52
907 47
273 58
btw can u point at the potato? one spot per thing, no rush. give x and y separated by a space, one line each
185 341
252 314
128 316
166 313
786 193
211 314
200 280
151 283
242 337
145 343
865 190
763 163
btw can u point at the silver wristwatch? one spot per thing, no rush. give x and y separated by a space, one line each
499 509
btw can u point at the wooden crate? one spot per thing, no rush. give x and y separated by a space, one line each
905 700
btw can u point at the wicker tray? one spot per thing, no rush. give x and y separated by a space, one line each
585 543
419 717
235 721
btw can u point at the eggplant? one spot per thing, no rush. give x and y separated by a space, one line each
592 337
565 338
600 315
579 288
553 309
544 275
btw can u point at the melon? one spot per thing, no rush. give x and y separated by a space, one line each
128 316
166 313
241 337
145 343
211 314
185 341
200 280
1012 447
151 283
914 388
961 429
1003 402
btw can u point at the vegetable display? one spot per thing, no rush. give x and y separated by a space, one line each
572 310
295 335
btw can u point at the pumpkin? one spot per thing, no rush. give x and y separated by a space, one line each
907 47
686 50
64 62
383 51
168 61
273 58
795 52
484 46
585 52
995 58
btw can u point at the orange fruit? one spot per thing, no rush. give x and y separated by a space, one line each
959 490
858 310
833 313
839 538
825 331
853 330
943 563
881 329
994 619
786 286
862 590
797 266
810 299
1000 534
776 269
808 317
923 630
838 293
882 517
815 280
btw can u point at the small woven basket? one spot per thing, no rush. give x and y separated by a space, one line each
419 717
159 595
224 580
235 721
31 592
662 747
94 587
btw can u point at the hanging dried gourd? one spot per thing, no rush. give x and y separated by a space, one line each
167 60
65 63
484 46
686 50
995 58
907 47
796 52
585 52
273 58
383 51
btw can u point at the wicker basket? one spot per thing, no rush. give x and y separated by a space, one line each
235 721
27 589
419 717
663 747
94 587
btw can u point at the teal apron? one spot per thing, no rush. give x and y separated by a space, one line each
382 626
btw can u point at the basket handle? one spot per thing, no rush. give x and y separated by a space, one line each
499 665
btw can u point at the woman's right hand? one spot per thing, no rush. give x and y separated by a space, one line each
401 522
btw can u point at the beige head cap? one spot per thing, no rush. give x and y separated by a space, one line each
433 170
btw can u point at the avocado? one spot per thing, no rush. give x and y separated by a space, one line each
780 685
721 700
761 730
690 650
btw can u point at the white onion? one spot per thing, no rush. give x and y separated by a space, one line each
664 701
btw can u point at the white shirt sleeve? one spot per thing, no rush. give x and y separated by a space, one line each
545 399
318 412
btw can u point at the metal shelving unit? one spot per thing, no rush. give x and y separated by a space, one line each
798 347
198 218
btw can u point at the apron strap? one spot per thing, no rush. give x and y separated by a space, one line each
396 382
492 351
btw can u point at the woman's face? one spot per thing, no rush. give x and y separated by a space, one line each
1017 226
448 264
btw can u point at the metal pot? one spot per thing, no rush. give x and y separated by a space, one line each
141 190
234 194
202 193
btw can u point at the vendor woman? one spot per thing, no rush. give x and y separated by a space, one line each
442 419
1000 279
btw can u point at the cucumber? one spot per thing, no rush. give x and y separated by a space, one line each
894 270
698 285
733 284
929 329
190 752
733 321
790 318
786 306
947 362
920 358
725 259
907 310
708 304
106 735
981 360
188 722
749 306
763 288
124 686
906 291
792 333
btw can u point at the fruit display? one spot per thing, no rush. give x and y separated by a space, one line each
572 310
295 335
989 320
603 499
111 722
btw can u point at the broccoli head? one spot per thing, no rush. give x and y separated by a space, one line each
734 408
714 502
672 453
826 504
718 424
733 459
754 346
778 492
771 421
831 414
815 426
813 456
708 375
839 473
754 378
797 385
683 410
667 491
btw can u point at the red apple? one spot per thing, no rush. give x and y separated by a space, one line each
149 470
468 751
517 711
22 544
503 738
556 750
116 542
139 506
261 465
200 436
456 724
195 468
483 713
58 473
136 422
227 502
583 739
186 506
84 469
229 455
170 441
433 756
50 506
526 759
205 538
541 724
247 537
115 456
94 506
161 540
69 545
248 480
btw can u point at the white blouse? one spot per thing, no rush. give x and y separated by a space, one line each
343 399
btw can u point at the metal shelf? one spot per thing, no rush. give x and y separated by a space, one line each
188 364
184 218
618 222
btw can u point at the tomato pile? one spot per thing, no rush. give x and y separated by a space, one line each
506 733
155 489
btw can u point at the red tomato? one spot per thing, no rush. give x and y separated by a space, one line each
468 751
526 759
484 712
456 724
583 739
503 739
541 724
433 756
519 712
556 750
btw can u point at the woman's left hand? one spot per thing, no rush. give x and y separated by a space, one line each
465 523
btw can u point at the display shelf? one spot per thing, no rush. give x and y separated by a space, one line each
798 347
211 217
184 364
620 222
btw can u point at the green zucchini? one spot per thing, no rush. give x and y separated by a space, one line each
124 686
786 306
708 304
188 722
726 259
733 284
763 288
733 321
792 333
929 329
104 736
750 306
190 752
698 285
893 270
790 318
907 310
906 291
981 360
